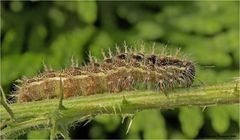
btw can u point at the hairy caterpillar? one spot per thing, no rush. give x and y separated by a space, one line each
115 73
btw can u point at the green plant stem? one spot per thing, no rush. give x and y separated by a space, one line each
4 103
31 115
60 105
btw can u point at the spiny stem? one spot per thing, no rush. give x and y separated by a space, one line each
130 119
5 104
82 108
53 130
53 118
60 105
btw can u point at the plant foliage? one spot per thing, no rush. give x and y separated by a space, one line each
52 32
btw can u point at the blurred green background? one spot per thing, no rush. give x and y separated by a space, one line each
53 32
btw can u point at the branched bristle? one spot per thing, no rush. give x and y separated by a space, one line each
45 68
103 54
153 48
72 62
90 57
109 53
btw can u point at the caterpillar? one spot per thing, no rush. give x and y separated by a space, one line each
115 73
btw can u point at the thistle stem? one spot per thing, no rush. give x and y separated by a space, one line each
127 102
5 104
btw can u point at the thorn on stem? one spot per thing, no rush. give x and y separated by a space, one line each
129 124
60 105
88 121
204 108
3 101
114 110
236 88
124 100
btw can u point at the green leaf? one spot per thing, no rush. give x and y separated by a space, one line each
103 41
151 122
27 65
233 111
154 127
39 134
16 6
133 135
191 120
218 58
38 34
57 16
97 132
149 30
206 76
70 44
12 41
110 122
87 10
219 118
177 135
